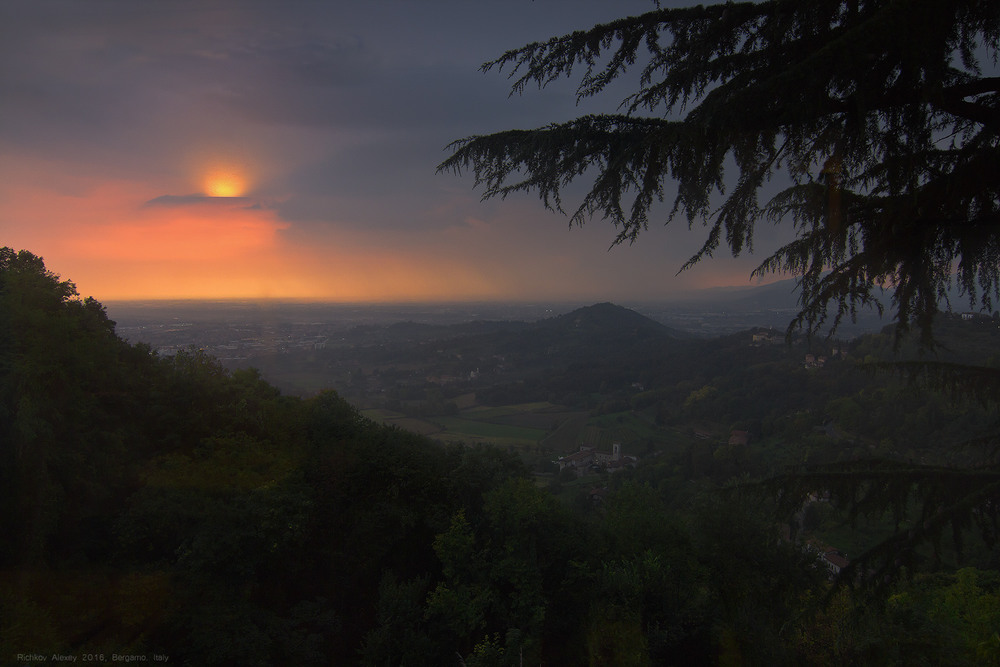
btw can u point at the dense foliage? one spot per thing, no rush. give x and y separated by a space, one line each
881 129
875 119
165 505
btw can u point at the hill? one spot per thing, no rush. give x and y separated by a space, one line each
164 506
608 321
366 360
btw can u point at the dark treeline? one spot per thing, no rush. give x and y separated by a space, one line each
165 505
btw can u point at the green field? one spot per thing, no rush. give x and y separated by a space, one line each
486 412
488 430
413 424
472 426
521 425
381 414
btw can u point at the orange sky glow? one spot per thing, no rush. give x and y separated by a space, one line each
118 241
260 152
213 247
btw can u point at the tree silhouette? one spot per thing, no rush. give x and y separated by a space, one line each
874 115
879 124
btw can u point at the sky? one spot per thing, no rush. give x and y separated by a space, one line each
256 150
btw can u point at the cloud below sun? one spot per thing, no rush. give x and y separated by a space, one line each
249 150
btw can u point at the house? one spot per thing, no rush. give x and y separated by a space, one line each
834 560
739 438
589 457
577 460
818 497
812 361
765 338
604 458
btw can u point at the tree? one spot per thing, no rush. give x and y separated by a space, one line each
875 115
881 127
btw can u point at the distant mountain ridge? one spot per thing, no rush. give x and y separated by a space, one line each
605 338
607 318
600 331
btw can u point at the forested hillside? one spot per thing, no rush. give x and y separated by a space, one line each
165 506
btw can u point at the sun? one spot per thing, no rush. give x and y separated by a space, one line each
225 182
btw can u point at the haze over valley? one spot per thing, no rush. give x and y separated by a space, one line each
242 333
496 334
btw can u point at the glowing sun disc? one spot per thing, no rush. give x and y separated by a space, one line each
224 184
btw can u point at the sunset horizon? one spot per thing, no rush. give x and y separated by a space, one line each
254 152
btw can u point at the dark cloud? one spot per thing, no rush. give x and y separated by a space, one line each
200 200
340 111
